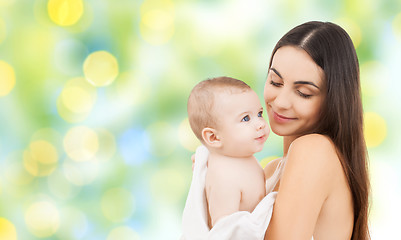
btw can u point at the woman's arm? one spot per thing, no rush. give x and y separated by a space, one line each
305 184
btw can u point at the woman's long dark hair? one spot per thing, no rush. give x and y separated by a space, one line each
341 117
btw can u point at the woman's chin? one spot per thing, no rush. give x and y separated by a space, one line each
279 132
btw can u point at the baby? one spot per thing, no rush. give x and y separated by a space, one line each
226 116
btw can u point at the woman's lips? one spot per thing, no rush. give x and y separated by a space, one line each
281 119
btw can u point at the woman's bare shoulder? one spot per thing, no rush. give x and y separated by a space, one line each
313 138
313 145
310 173
314 152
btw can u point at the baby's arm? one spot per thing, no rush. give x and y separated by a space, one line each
222 192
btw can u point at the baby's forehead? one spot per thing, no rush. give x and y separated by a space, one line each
230 90
227 97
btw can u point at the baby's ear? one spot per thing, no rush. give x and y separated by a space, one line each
211 138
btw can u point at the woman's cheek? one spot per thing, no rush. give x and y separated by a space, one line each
268 94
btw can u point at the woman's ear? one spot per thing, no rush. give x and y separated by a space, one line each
211 138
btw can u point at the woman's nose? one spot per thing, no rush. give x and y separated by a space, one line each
282 100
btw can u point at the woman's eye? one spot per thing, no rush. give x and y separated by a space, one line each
303 94
245 119
276 84
260 114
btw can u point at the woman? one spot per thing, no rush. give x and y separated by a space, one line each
312 96
313 100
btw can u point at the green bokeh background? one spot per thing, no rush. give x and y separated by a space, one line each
163 48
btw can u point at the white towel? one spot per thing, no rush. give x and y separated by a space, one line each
239 225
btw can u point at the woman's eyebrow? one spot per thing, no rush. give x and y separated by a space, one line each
297 82
276 72
307 82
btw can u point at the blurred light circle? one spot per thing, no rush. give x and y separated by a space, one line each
7 230
78 96
100 68
132 146
157 26
77 99
41 158
3 30
42 219
60 186
68 115
168 185
36 60
50 135
370 72
43 151
107 145
162 139
65 12
7 78
81 173
375 129
117 204
157 21
81 143
187 138
42 16
149 5
74 224
123 233
15 173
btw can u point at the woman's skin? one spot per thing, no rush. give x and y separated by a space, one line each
313 198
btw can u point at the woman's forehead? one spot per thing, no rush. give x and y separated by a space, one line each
295 64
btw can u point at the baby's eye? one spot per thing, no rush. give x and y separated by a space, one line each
245 119
260 114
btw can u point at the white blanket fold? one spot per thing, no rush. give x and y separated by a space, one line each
237 226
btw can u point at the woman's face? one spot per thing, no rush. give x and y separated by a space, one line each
294 92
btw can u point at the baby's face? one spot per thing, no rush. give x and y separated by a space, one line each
241 126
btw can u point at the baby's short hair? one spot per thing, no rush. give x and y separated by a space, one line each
201 101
